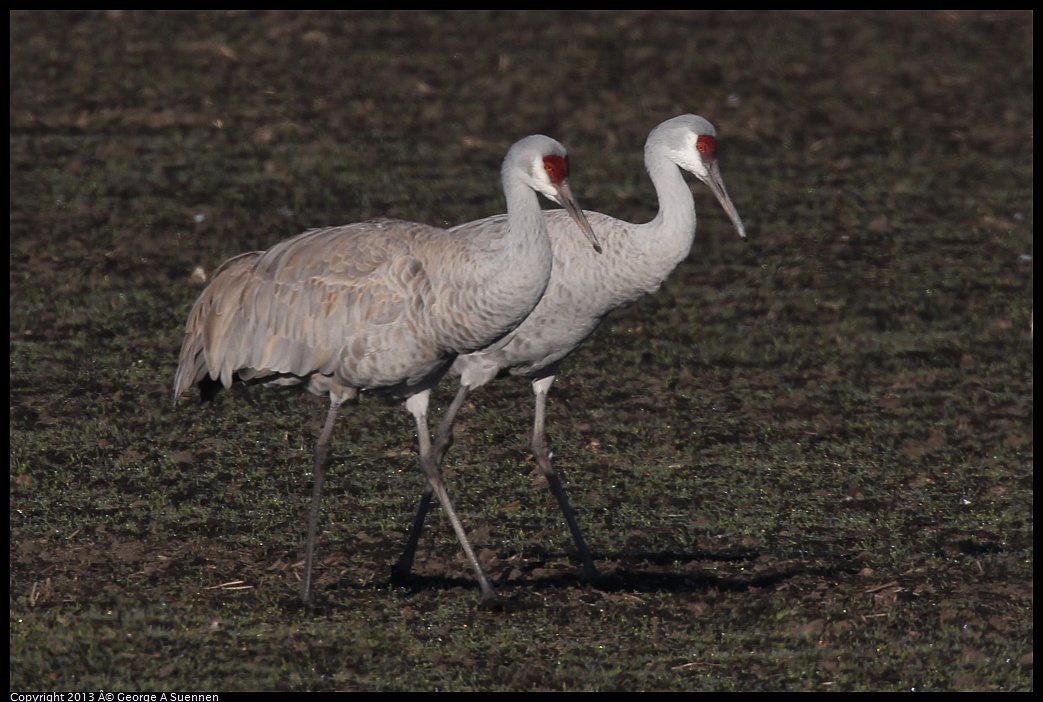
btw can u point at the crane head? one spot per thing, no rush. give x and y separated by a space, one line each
543 163
690 142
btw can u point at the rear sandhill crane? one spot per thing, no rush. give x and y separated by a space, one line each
381 307
584 288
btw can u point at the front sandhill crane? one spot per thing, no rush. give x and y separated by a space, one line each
381 307
583 289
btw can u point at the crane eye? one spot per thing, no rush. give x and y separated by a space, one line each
707 146
557 168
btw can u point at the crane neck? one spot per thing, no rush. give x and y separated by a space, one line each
676 205
525 224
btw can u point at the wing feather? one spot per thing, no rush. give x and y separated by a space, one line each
341 301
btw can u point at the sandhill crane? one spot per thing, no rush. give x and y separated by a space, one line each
381 307
583 289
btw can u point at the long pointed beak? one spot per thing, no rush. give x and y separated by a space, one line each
717 186
566 200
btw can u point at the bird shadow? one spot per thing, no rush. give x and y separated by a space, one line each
671 571
625 572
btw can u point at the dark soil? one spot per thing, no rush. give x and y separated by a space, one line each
804 464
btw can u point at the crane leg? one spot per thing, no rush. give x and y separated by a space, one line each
441 443
404 566
417 405
540 449
444 435
322 459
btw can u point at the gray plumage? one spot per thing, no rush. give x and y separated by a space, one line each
381 307
584 288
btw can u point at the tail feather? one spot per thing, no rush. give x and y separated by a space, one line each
195 367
